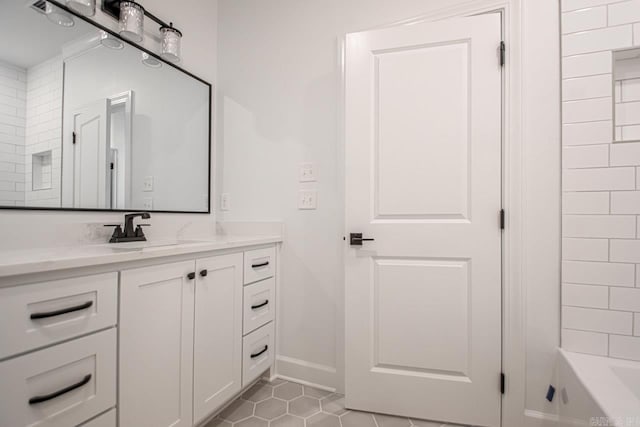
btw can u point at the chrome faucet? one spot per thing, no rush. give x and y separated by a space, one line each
129 234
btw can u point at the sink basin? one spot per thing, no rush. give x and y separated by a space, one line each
137 246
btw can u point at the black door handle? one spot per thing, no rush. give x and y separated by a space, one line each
44 398
257 306
191 276
262 264
266 347
61 311
356 239
203 273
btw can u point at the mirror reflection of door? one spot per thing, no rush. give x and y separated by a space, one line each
121 121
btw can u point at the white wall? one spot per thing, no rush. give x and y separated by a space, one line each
279 105
601 187
21 229
13 89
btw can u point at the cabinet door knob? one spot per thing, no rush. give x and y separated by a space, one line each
203 273
191 276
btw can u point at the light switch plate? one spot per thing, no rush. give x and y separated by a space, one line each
225 202
307 199
148 183
307 172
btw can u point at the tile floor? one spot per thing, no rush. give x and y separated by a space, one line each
287 404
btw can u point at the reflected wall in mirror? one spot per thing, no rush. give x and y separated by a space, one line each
88 121
626 87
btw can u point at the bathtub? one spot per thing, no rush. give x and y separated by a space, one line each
598 391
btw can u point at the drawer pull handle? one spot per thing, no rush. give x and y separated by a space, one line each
266 347
40 399
262 304
262 264
61 311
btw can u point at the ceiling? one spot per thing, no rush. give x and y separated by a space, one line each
29 38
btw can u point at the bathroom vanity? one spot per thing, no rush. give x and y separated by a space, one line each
141 334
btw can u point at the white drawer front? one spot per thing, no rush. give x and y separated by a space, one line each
107 419
259 264
85 368
35 315
259 304
258 352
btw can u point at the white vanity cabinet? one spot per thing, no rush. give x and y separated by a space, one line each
156 345
147 343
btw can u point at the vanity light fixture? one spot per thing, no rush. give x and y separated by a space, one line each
151 61
58 16
170 43
83 7
107 40
131 21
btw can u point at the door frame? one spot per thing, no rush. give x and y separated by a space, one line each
513 291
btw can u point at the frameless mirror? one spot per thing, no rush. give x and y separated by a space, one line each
626 87
89 121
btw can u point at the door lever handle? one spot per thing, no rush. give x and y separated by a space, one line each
356 239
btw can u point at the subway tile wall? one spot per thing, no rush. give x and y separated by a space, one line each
601 184
13 88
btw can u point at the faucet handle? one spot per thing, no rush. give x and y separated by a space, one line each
139 232
117 232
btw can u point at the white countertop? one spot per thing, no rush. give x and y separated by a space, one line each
28 261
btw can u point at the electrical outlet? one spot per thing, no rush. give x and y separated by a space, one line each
225 202
307 199
147 184
307 172
147 203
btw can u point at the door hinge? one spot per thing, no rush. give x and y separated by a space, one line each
502 380
73 137
502 53
501 219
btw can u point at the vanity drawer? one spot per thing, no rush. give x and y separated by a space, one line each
259 304
258 351
45 313
107 419
60 386
259 264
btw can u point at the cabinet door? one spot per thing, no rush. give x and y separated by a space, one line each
218 333
156 346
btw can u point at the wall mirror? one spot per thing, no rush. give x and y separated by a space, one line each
626 87
89 121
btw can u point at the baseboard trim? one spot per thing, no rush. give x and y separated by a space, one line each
307 373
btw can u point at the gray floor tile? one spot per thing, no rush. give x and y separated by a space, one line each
315 392
423 423
304 406
288 391
333 404
323 420
357 419
258 392
287 421
237 410
271 408
391 421
217 422
252 422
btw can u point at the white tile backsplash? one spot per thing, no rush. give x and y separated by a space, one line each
599 226
585 156
598 273
588 64
601 181
596 320
624 347
599 132
597 40
585 249
584 19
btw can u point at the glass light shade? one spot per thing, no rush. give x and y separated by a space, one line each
170 43
151 61
107 40
131 21
58 16
84 7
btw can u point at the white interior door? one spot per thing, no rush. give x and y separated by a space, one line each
423 178
91 156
